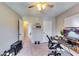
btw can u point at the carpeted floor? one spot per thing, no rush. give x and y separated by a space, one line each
30 49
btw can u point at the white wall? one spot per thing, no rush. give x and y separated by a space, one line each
72 21
60 18
48 27
8 27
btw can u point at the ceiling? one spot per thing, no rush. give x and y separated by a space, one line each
22 8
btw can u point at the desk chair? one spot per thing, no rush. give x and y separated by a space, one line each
54 46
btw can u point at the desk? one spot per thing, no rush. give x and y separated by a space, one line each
70 50
65 45
75 42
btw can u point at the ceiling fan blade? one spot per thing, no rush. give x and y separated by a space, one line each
30 6
51 5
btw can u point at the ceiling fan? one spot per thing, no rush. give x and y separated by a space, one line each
41 5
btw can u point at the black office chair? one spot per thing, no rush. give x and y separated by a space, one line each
53 46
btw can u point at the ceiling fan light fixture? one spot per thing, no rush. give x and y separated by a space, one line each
43 6
39 7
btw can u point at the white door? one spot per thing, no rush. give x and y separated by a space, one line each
21 29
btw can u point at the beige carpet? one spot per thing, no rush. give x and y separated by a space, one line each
30 49
40 50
